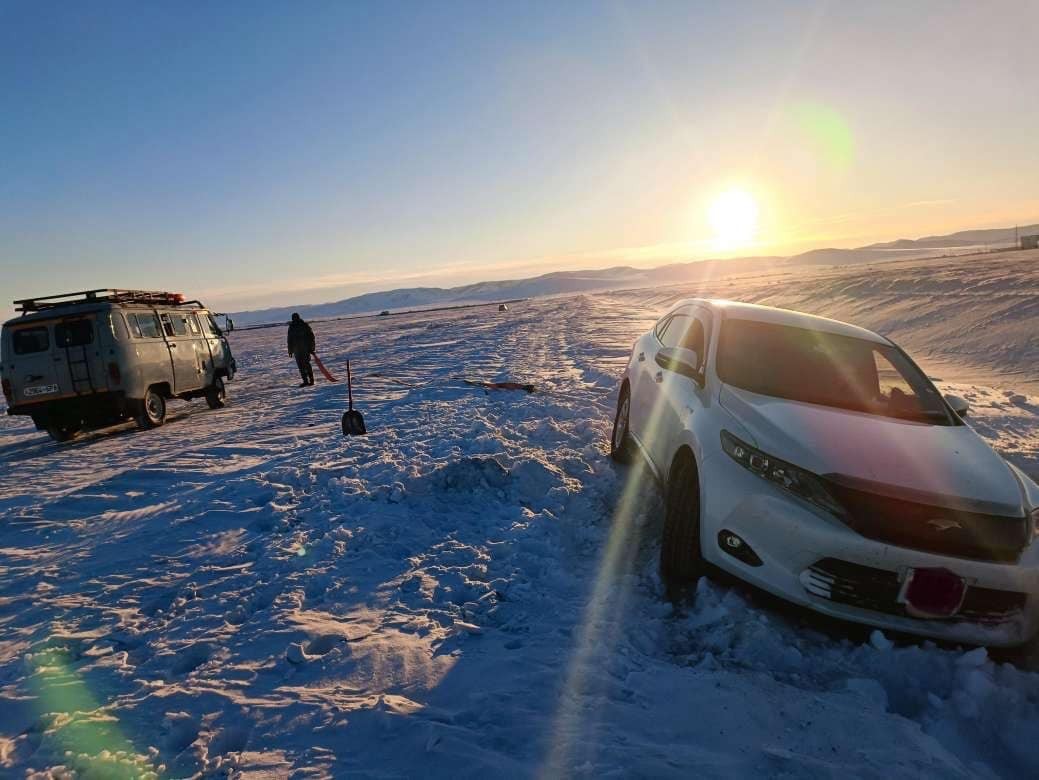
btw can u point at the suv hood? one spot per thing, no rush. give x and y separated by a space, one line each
949 461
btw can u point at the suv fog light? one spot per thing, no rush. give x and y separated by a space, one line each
735 546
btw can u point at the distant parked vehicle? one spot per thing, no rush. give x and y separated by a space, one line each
94 358
502 307
384 313
815 460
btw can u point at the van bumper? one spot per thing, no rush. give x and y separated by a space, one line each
88 409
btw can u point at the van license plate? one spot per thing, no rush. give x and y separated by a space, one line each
40 390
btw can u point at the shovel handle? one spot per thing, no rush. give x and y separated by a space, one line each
349 386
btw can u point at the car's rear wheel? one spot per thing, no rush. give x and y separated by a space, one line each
216 394
622 448
152 410
681 561
62 432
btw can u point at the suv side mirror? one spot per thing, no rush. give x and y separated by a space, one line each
681 361
959 405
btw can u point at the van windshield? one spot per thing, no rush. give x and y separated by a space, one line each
826 369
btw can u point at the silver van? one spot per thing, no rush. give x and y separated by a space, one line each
98 357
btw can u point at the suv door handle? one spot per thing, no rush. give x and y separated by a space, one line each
659 376
642 357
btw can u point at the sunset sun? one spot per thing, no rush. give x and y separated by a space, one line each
733 217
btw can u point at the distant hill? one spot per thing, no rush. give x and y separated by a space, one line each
627 277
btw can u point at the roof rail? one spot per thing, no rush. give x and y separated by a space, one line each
153 297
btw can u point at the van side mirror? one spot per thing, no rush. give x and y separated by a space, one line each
681 361
959 405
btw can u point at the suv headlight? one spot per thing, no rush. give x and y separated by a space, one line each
803 484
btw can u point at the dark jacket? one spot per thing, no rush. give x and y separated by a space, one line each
301 338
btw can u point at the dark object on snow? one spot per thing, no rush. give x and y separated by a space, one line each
324 371
502 307
500 385
301 346
353 422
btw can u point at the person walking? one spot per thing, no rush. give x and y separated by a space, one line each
301 347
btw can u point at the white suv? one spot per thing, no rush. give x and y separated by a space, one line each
815 460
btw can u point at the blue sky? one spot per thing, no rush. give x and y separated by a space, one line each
260 153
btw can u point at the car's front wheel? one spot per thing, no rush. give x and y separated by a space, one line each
622 448
681 562
216 394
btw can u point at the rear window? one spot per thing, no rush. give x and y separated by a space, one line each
25 341
74 333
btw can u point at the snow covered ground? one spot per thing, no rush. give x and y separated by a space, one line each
472 588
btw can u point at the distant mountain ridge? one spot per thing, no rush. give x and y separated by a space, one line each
620 277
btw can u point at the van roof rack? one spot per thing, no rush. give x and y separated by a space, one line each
153 297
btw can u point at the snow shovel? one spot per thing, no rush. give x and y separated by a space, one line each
353 422
322 369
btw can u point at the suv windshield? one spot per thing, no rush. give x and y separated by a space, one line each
826 369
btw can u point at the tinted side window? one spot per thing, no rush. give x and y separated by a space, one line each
74 333
135 329
695 338
167 326
675 331
28 340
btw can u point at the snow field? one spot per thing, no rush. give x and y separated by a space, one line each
472 588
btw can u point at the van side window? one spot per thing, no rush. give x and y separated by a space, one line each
74 333
149 325
135 329
167 326
118 326
29 340
192 324
209 324
180 327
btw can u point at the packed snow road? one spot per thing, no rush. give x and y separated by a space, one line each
469 589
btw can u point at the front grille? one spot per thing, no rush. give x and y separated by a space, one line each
922 526
877 590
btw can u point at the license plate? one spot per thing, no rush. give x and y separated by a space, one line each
39 390
932 593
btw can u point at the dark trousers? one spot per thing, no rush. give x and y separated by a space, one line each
306 371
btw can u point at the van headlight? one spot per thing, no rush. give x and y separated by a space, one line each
803 484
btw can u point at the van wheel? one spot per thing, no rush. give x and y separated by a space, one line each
62 432
152 410
622 448
216 394
681 561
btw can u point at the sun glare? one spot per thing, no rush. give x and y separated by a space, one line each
733 216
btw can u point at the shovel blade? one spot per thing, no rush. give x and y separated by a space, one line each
353 424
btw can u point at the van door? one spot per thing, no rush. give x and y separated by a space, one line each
186 373
220 353
152 363
31 366
77 355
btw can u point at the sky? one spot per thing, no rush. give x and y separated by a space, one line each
261 153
